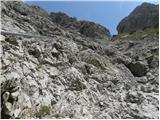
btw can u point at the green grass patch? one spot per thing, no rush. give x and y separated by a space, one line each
109 71
96 63
44 110
150 33
12 59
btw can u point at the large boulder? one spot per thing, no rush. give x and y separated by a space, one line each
138 68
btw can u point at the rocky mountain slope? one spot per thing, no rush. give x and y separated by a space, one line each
86 28
68 73
144 16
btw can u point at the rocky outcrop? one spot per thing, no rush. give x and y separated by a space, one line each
142 17
65 74
89 29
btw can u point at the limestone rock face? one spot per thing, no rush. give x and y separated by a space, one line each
89 29
142 17
64 74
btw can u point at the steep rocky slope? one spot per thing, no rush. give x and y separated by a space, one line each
142 17
86 28
66 74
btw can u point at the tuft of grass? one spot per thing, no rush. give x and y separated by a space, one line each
152 33
44 110
109 71
12 59
96 63
39 67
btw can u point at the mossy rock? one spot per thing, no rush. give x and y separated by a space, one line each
100 66
96 63
109 71
77 85
12 59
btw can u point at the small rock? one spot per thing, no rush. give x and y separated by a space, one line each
55 53
35 51
142 79
2 38
150 76
53 72
14 95
147 89
7 110
131 44
134 97
12 40
154 63
5 96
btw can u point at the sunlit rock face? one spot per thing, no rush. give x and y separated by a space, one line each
62 72
144 16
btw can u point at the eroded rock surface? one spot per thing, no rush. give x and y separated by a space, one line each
144 16
69 75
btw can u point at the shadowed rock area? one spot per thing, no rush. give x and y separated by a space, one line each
144 16
75 69
89 29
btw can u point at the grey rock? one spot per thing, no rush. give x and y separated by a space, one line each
89 29
138 68
12 40
35 51
53 72
74 79
154 63
74 72
143 16
55 53
142 80
134 97
150 76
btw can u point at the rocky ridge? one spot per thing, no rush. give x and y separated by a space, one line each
71 75
142 17
89 29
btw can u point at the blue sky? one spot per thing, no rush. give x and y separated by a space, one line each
106 13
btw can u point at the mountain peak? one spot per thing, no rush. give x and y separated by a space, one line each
144 16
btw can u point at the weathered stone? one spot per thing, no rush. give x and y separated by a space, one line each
35 51
74 79
138 68
53 72
134 97
2 38
150 76
72 71
14 95
7 111
12 40
55 53
142 80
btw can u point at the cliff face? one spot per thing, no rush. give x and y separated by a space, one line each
89 29
66 71
142 17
